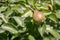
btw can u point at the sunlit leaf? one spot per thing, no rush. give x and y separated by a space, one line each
31 2
41 6
21 9
1 21
12 1
14 36
8 13
57 2
3 18
3 8
58 14
46 38
18 8
1 30
53 32
3 0
42 29
30 37
19 21
22 30
53 17
47 13
29 13
9 28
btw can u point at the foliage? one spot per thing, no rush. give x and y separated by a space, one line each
17 23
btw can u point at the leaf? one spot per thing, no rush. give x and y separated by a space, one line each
19 21
23 0
47 13
12 1
53 32
42 29
3 18
2 8
30 37
29 13
53 17
1 30
14 6
1 21
58 14
10 28
8 13
30 2
52 38
3 0
41 6
46 38
22 30
57 2
21 9
14 36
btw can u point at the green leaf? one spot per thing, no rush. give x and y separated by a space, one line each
14 6
10 28
23 0
1 30
52 38
42 29
14 36
29 13
53 17
1 21
41 6
58 14
21 9
8 13
46 13
12 1
3 0
3 18
31 2
57 2
53 32
30 37
19 21
46 38
2 8
22 30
